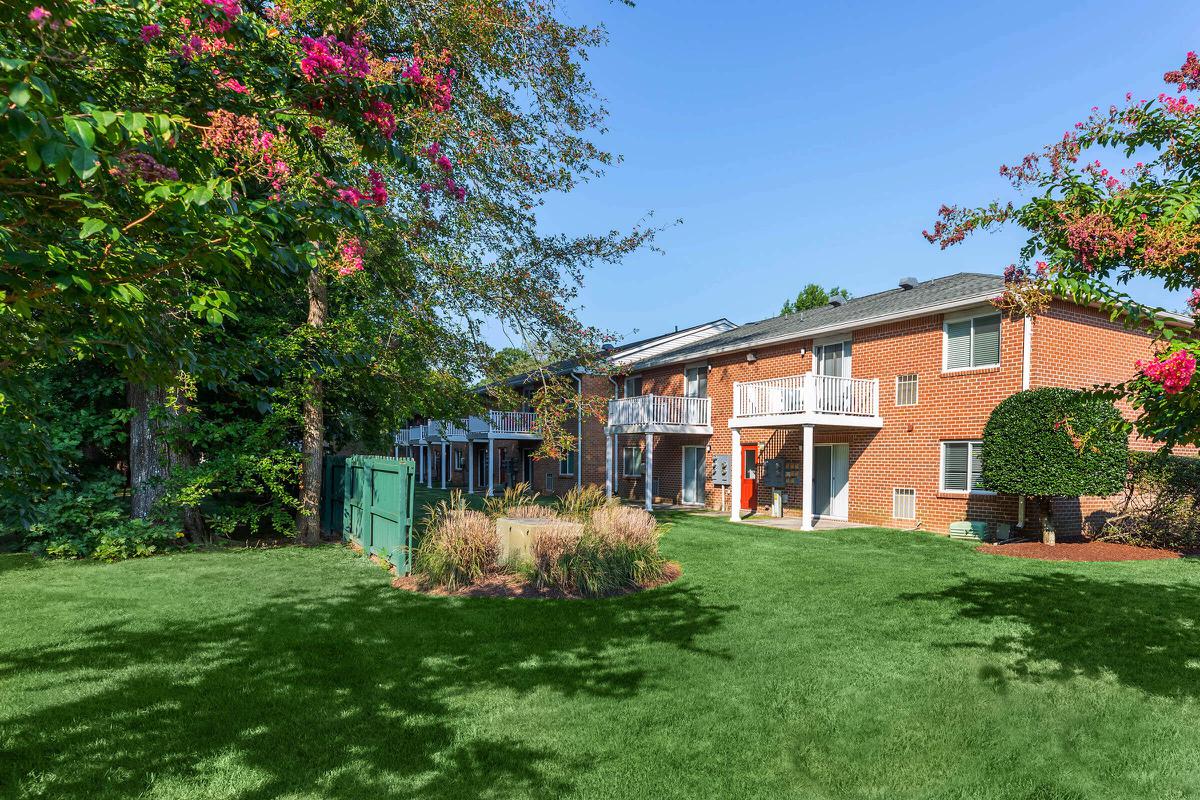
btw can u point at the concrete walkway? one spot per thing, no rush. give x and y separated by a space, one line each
788 523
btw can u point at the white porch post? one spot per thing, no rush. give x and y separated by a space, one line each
806 495
649 472
470 468
735 475
445 463
491 470
608 465
428 467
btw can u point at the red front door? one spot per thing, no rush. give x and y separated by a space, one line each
750 477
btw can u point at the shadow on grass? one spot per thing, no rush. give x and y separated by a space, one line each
10 562
364 692
1145 635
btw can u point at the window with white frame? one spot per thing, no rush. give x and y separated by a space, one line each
631 462
566 465
633 386
904 503
695 381
906 389
459 458
972 342
549 481
962 463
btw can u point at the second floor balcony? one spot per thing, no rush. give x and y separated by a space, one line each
446 430
807 400
652 413
504 425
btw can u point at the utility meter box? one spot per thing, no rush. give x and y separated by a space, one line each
721 471
773 473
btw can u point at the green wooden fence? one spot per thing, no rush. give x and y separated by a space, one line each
369 500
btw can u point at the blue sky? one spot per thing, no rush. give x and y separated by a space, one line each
807 142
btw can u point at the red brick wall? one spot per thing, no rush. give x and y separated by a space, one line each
1072 347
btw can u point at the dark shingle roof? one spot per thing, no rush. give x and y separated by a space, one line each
927 294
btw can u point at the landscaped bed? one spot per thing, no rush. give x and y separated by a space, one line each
850 664
581 545
1078 551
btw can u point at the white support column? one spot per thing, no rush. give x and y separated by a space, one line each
735 475
806 495
445 463
470 468
491 470
428 467
608 466
649 472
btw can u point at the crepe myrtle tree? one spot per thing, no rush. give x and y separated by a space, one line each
1055 442
161 161
1093 226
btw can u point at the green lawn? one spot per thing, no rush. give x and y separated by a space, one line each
849 664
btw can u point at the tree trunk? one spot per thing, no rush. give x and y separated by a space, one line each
1047 522
308 528
149 462
180 455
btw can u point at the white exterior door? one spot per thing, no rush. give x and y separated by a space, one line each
693 475
831 481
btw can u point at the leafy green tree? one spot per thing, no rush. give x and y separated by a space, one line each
1055 442
1094 226
813 296
285 225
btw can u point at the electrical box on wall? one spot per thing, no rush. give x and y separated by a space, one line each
720 471
773 473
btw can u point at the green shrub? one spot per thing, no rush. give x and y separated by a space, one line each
458 550
1160 506
1055 442
135 538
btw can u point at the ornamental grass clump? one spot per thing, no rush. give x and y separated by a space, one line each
617 551
518 495
461 548
579 503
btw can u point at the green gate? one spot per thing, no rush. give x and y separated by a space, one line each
376 505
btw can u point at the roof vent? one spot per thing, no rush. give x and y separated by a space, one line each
908 283
836 301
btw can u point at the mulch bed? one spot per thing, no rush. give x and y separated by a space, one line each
506 585
1077 551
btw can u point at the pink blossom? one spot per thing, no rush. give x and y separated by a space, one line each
233 85
149 32
378 190
1194 301
350 257
379 113
317 131
444 163
326 55
39 15
351 195
1174 373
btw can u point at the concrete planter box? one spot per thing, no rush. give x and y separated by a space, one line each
517 535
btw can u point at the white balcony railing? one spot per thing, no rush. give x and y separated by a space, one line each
498 424
809 393
659 410
454 430
519 422
416 434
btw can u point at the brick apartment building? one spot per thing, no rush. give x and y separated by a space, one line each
496 449
877 403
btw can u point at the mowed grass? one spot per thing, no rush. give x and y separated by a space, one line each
851 664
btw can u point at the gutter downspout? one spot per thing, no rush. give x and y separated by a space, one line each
1026 361
613 473
578 431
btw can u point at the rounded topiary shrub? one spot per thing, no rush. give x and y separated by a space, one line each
1055 443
